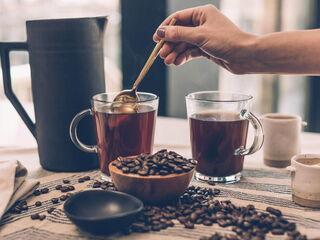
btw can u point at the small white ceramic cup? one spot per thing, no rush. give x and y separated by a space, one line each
305 179
281 138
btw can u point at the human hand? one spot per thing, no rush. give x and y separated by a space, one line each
204 32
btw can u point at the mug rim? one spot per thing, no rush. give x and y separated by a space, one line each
245 97
287 117
94 98
65 19
305 156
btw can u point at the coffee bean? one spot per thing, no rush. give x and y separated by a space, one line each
143 172
86 178
71 188
81 180
182 219
38 203
42 217
54 200
207 223
44 190
63 197
50 210
37 192
277 231
125 169
189 225
96 184
17 210
193 217
216 191
274 211
24 208
58 187
155 228
66 181
35 216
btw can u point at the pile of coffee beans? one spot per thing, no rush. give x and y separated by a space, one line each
198 206
161 163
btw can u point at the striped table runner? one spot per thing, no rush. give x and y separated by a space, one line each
261 187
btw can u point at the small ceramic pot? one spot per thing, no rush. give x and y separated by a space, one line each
305 179
281 138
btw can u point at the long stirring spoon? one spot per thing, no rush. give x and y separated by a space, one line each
130 95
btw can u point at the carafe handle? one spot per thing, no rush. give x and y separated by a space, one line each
258 134
5 49
74 132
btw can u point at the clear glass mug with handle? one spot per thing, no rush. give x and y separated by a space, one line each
118 133
219 124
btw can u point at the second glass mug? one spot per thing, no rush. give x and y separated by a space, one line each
118 134
218 131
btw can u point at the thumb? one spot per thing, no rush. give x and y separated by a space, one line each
190 35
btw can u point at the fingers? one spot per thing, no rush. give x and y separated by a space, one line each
166 49
186 17
192 35
171 57
188 55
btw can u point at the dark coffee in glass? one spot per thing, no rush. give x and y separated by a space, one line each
123 134
215 137
218 133
119 133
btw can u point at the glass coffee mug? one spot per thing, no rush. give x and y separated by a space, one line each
118 133
218 131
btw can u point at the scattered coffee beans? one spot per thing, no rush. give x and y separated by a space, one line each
50 210
35 216
54 200
37 192
162 163
44 190
198 206
63 197
38 216
66 181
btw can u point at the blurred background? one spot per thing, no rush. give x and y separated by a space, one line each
128 42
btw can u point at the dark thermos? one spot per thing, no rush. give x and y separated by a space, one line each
67 69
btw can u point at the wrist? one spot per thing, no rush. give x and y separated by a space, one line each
244 55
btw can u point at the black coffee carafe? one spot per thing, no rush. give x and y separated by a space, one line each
67 69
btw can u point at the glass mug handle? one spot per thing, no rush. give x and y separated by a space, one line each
74 132
258 134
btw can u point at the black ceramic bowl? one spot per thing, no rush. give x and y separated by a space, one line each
102 212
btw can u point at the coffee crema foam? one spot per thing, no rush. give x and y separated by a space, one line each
124 108
217 115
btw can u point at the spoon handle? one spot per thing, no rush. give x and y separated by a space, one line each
150 60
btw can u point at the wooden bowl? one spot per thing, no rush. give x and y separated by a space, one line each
151 189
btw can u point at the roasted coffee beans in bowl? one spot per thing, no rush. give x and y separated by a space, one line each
154 178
